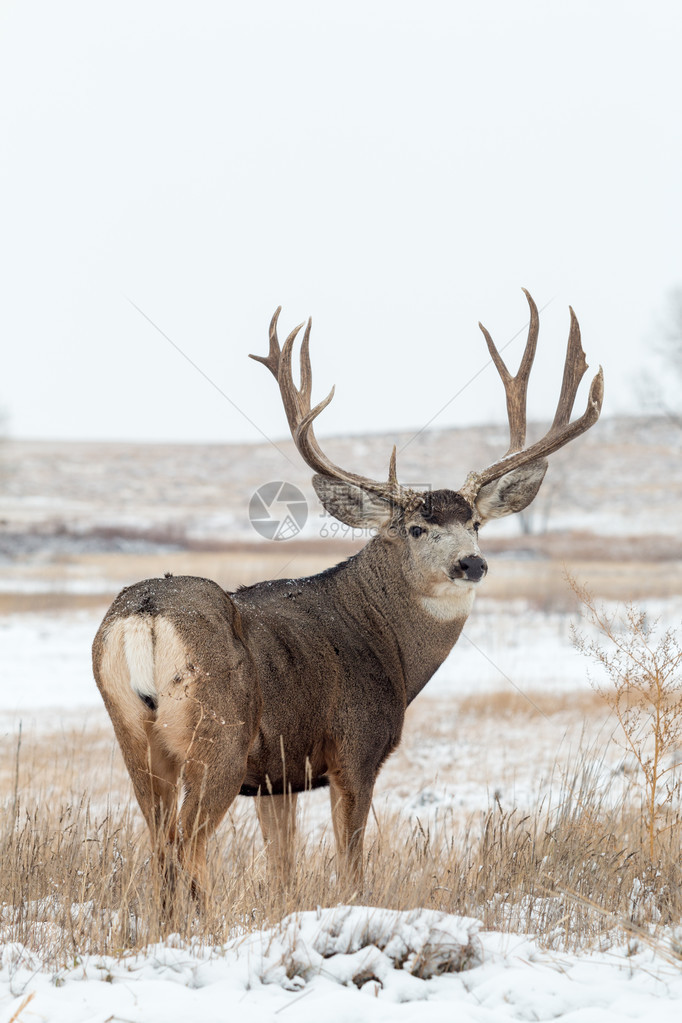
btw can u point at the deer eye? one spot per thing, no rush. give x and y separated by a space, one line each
416 531
477 526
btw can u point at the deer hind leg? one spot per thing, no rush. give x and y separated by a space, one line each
163 771
350 809
177 729
208 794
212 744
277 819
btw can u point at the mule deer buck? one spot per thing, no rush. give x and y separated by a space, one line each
288 685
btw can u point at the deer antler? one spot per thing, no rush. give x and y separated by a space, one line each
301 416
562 429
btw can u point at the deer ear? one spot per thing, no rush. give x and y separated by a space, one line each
511 493
351 504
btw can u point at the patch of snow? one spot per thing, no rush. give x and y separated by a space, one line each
350 963
47 666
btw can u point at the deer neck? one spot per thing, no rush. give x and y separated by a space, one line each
423 627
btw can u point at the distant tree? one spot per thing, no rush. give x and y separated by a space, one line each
660 389
535 518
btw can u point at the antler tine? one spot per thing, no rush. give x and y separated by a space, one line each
392 470
516 388
307 444
271 360
278 360
292 398
306 369
575 368
562 430
300 416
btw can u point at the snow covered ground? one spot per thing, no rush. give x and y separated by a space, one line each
351 964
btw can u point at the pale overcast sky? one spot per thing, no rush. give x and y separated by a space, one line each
397 170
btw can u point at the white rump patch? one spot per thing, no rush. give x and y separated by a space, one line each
138 645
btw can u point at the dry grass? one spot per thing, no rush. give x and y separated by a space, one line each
75 881
76 877
507 703
91 581
52 603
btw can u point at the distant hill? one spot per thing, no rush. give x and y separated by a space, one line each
623 479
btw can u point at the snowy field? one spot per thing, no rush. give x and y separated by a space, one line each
351 964
359 963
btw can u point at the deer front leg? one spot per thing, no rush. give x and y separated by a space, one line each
350 809
277 819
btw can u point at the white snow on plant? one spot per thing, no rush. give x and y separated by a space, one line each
352 964
360 946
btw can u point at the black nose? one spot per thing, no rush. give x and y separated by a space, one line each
474 568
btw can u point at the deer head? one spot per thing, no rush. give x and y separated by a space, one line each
438 531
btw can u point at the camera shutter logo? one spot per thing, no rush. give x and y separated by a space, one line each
278 510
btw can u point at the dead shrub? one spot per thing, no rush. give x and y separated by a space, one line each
642 668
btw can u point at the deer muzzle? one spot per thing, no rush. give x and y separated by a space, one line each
471 568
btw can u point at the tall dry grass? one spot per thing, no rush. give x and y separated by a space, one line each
76 876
